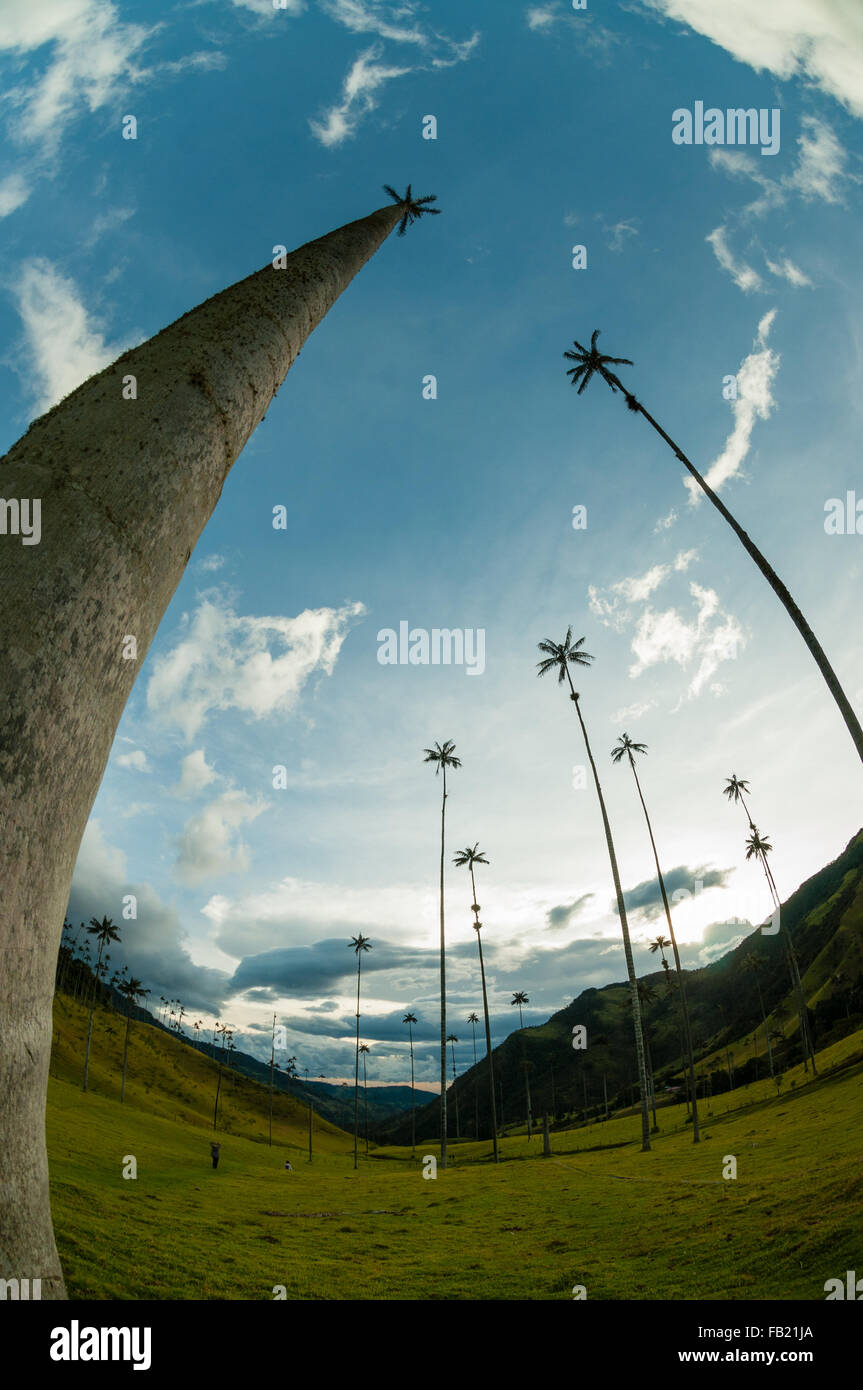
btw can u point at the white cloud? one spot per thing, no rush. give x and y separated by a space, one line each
257 665
704 643
211 563
754 402
820 41
619 234
195 774
63 344
365 76
370 17
616 610
210 844
787 270
14 192
743 275
820 169
541 16
136 761
629 712
265 7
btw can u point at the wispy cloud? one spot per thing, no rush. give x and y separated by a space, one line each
366 75
14 192
63 344
256 665
136 761
616 610
820 41
211 844
743 275
542 16
754 401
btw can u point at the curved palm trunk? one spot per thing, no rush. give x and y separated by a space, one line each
126 488
624 926
832 680
442 980
796 982
687 1031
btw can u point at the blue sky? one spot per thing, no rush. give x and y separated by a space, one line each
257 127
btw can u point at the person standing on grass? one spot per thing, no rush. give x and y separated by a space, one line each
214 1150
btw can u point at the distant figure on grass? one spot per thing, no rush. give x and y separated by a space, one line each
288 1168
214 1150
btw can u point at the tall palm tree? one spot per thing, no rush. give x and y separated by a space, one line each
559 656
589 361
758 847
468 858
410 1019
364 1051
660 943
734 789
104 932
443 756
222 1030
625 748
452 1040
133 991
473 1020
358 944
272 1068
154 466
754 965
519 998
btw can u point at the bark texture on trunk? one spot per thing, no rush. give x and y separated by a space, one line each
126 487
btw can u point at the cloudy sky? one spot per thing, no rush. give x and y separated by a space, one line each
706 264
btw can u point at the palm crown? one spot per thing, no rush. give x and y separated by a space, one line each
561 654
473 1018
734 788
626 746
757 845
442 755
409 1018
412 208
519 998
470 857
590 360
359 943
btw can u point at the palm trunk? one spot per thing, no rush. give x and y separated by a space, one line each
766 1026
475 1087
851 721
442 980
366 1104
89 1025
687 1031
413 1112
491 1095
624 926
796 982
126 488
357 1061
125 1054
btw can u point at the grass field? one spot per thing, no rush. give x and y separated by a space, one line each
626 1225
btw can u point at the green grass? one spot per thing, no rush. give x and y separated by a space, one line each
627 1225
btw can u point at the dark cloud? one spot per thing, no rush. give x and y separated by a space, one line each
645 897
300 971
563 915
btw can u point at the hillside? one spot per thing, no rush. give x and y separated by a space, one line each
825 921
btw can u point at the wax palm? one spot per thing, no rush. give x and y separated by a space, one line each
443 756
412 208
468 858
358 944
734 789
561 656
133 990
660 944
626 748
104 932
519 998
590 361
452 1040
364 1050
410 1019
473 1020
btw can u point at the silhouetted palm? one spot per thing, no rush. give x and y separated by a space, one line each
562 655
468 858
358 944
734 789
412 208
410 1020
589 361
519 998
133 990
443 756
104 932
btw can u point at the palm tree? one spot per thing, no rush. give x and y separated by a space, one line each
473 1020
155 466
734 788
452 1040
660 943
133 991
358 944
410 1019
272 1067
364 1049
625 747
443 756
560 656
468 858
104 932
758 847
519 998
589 361
222 1030
754 965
